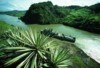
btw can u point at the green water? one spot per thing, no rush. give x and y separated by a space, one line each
86 41
66 30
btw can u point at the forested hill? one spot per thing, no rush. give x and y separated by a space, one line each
87 17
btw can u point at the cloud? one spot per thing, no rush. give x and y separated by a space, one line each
7 5
75 2
3 8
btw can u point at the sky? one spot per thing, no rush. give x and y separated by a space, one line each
9 5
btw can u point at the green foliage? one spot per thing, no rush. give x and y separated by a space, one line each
83 18
29 48
95 8
38 13
33 51
80 60
4 27
59 59
76 16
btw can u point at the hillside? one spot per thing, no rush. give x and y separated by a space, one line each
87 18
14 13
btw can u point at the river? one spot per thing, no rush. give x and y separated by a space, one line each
86 41
11 20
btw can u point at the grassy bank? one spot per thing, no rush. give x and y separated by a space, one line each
4 27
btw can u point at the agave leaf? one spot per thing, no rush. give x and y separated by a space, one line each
18 38
35 37
35 47
49 44
27 50
44 41
41 54
17 48
21 38
25 61
38 40
61 55
59 58
34 62
25 34
27 64
64 64
32 36
16 59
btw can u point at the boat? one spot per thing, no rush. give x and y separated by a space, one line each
50 33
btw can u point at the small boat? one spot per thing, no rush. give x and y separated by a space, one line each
50 33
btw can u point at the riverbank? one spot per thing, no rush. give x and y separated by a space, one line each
79 58
86 41
79 34
93 29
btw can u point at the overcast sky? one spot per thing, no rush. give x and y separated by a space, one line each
7 5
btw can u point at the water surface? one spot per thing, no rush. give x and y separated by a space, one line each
11 20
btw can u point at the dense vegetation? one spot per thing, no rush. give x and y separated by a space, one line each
87 17
4 27
29 49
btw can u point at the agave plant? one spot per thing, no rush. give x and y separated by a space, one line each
59 58
34 50
31 51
